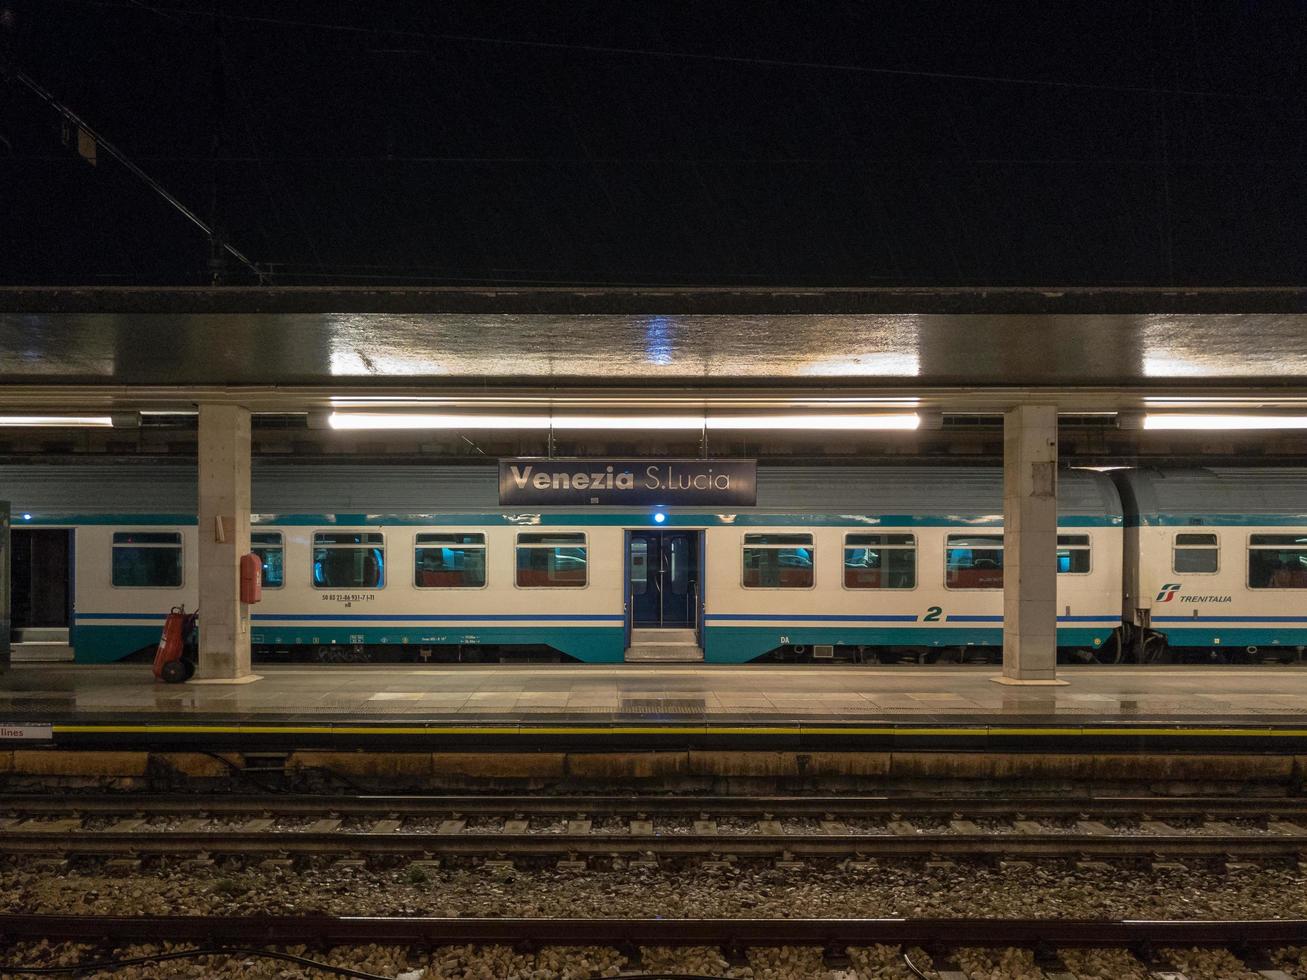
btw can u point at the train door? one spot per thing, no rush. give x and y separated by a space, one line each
41 590
4 584
663 579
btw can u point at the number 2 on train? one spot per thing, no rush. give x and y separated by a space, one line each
932 615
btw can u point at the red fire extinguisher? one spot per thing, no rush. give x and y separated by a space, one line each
170 661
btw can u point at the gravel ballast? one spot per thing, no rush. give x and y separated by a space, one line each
819 890
813 890
591 963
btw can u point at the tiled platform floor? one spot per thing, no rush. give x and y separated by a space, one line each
753 694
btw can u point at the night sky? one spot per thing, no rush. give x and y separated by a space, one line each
645 143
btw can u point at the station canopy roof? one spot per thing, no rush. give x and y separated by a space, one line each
1089 348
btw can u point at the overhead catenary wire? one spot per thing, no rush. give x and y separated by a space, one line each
48 97
672 54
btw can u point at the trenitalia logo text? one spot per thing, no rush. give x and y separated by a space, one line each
1172 589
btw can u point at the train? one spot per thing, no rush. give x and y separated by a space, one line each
864 564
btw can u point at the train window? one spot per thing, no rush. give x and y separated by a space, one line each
639 566
778 561
1277 561
268 546
147 559
973 561
551 561
1195 553
880 561
678 571
1073 554
455 560
349 560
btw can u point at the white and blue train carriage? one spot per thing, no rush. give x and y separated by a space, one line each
895 562
359 561
1216 562
420 562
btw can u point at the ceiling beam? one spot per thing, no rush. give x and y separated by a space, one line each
281 400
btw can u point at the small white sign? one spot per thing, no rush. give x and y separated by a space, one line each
43 733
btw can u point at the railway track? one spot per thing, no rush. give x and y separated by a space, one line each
728 933
580 828
425 805
1252 942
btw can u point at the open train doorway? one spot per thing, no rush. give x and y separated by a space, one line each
664 595
40 593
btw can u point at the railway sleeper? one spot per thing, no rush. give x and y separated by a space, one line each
1278 813
1164 853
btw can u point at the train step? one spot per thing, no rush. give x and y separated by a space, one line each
41 651
663 637
39 634
664 653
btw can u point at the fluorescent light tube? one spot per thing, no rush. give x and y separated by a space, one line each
395 420
810 421
816 422
1224 422
628 422
29 421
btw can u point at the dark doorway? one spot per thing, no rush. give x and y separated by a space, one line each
664 582
41 582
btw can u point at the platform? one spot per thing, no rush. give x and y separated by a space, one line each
663 706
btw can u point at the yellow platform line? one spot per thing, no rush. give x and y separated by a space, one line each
945 731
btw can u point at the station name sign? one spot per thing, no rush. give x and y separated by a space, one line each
628 481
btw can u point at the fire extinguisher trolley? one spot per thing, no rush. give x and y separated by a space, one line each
174 661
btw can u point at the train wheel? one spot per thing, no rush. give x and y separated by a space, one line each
174 671
1155 650
911 655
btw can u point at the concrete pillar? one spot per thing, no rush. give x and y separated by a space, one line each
1030 546
4 585
224 532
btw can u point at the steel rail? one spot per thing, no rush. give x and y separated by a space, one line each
345 842
411 805
733 933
